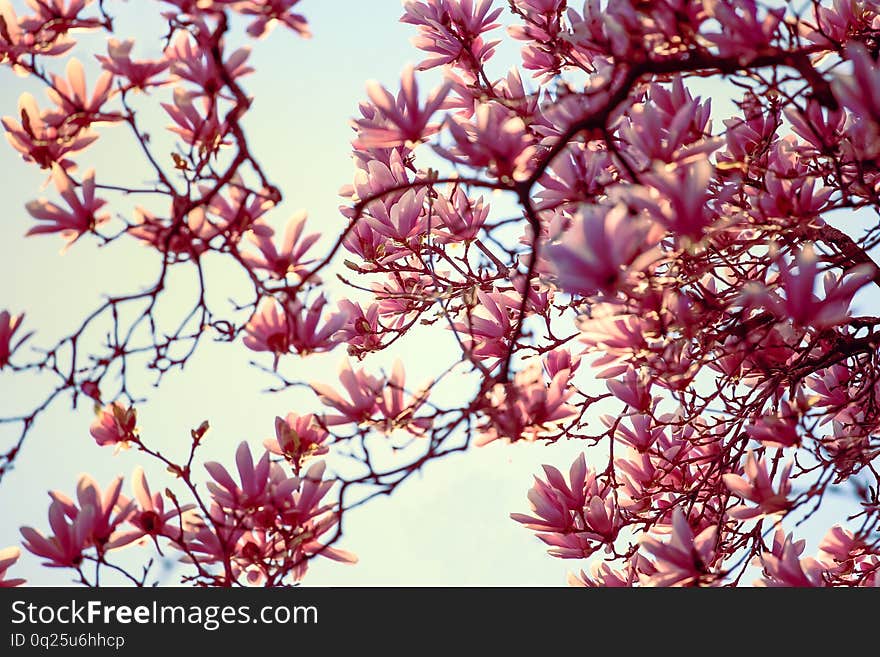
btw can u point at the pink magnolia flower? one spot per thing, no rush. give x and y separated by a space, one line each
803 306
742 28
777 430
306 336
63 549
72 97
83 213
239 208
759 489
42 142
685 559
19 38
576 519
107 512
254 489
149 516
56 10
602 575
402 222
527 408
297 438
496 140
397 408
461 218
643 434
114 425
487 327
191 62
554 500
290 258
783 566
187 237
269 329
683 189
139 73
602 250
451 30
408 120
362 331
634 390
577 176
860 91
205 129
8 557
364 392
8 326
377 179
269 13
839 547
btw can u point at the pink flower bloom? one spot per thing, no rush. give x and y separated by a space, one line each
561 359
362 331
305 334
487 327
634 390
759 490
253 491
269 329
269 13
743 30
408 120
460 217
602 250
203 129
682 205
451 30
576 519
64 549
527 408
291 257
149 515
189 237
114 425
397 410
139 73
643 434
554 500
364 392
803 306
72 97
777 430
241 210
42 142
685 559
19 38
404 223
783 566
603 575
860 91
191 62
8 326
375 179
297 438
8 557
107 512
839 547
81 217
497 140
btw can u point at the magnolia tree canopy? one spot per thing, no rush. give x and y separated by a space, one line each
684 294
